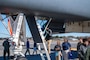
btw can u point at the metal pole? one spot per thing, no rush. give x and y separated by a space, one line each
19 24
43 38
82 26
43 41
2 20
41 54
24 29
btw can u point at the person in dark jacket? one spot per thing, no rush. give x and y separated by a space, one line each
83 49
6 46
78 46
27 46
87 55
66 46
79 43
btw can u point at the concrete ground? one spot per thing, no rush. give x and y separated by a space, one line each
34 57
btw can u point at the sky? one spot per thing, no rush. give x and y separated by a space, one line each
5 33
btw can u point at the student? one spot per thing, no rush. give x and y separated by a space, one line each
66 46
87 55
27 46
6 46
35 48
57 49
48 36
79 43
83 49
78 46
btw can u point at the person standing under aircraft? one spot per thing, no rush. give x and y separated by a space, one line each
66 46
87 55
83 49
78 46
48 35
57 49
35 48
6 46
27 46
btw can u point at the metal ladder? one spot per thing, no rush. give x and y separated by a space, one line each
43 41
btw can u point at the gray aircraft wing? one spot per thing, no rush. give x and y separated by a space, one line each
61 9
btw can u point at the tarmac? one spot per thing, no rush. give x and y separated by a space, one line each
36 56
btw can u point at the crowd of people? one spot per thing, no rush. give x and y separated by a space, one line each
61 52
83 49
